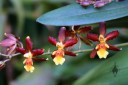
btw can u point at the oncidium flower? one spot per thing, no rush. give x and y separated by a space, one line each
10 42
77 33
58 55
30 54
101 48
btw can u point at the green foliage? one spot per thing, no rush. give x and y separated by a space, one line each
103 74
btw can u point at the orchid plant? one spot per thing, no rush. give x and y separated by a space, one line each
66 39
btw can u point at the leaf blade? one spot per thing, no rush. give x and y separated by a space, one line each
75 14
102 73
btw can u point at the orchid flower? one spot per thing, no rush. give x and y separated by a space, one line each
101 48
30 54
77 32
58 55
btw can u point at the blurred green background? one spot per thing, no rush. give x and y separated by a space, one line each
19 17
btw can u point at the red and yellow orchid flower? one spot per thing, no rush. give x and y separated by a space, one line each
58 55
30 54
101 48
77 33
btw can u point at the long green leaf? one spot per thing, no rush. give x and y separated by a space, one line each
103 75
75 14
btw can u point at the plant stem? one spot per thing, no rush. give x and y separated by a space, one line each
89 50
49 53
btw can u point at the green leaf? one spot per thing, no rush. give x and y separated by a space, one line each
18 5
75 14
103 75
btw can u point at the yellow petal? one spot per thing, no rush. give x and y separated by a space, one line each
29 68
102 53
59 60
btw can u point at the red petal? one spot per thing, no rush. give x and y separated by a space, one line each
93 37
70 53
37 52
39 59
61 36
70 42
112 35
28 43
85 29
93 53
114 48
7 42
102 28
21 50
69 33
52 40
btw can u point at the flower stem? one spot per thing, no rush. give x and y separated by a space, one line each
49 53
89 50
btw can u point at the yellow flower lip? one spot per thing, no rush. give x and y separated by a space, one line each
59 60
59 57
102 47
102 53
28 65
29 68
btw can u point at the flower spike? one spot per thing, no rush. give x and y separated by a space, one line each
101 48
10 42
30 55
58 55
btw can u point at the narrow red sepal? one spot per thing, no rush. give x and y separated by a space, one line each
70 53
52 40
114 48
93 53
93 37
70 42
69 33
85 29
37 52
102 28
21 50
112 35
28 43
61 36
